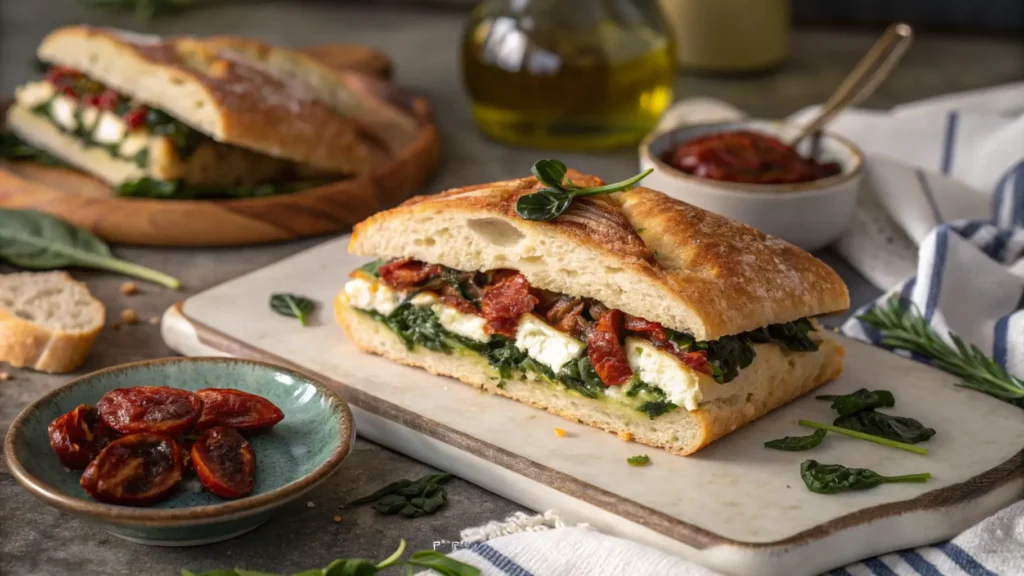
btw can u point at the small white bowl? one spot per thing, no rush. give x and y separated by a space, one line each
810 215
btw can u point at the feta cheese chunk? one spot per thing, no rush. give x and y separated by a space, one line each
62 110
466 325
371 295
110 130
545 344
661 369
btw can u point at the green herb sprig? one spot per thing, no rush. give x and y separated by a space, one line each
863 436
37 241
907 330
436 561
797 443
293 306
558 192
409 498
835 478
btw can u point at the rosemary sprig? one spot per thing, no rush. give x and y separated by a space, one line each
907 330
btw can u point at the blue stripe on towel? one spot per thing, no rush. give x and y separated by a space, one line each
840 572
999 352
968 229
995 247
498 560
938 266
1018 195
878 567
919 564
922 179
949 141
965 561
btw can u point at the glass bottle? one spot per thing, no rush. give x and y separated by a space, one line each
568 74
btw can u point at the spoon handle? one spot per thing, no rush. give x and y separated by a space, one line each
865 77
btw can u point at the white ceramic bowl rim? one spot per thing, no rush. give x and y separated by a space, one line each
829 141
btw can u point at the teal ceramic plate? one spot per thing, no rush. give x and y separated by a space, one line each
300 452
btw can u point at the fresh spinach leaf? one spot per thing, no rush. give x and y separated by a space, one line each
179 190
37 241
797 443
836 478
860 400
639 460
293 306
373 268
552 200
898 428
656 408
580 376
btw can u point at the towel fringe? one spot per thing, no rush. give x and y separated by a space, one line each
515 524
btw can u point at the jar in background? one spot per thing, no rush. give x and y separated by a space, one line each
568 74
729 36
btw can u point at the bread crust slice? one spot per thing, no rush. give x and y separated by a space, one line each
775 378
639 251
28 344
216 92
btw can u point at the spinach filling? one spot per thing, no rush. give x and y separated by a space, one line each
179 190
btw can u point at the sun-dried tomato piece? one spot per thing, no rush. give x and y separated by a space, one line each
452 297
138 469
604 347
503 303
59 74
108 99
236 409
566 315
407 273
697 359
650 330
224 462
156 409
78 436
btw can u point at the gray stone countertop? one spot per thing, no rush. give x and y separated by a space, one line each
37 540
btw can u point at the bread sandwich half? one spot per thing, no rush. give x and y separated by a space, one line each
635 313
126 107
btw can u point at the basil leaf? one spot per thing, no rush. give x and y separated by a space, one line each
544 204
797 443
37 241
898 428
641 460
292 306
861 400
549 172
836 478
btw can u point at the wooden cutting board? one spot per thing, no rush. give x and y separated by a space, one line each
734 506
396 126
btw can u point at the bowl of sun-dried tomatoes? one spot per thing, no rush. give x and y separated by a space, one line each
180 451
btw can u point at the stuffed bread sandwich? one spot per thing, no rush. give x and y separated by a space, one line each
632 312
126 107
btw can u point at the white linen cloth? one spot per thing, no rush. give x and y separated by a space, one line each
940 222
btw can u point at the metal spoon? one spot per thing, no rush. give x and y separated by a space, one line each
864 79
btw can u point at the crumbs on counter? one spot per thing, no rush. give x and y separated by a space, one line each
337 519
154 320
4 376
129 288
626 436
310 504
115 325
560 432
129 316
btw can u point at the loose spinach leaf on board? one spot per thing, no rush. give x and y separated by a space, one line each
639 460
836 478
860 401
797 443
440 563
898 428
293 306
37 241
552 200
14 148
907 330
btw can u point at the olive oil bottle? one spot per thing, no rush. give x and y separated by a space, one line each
568 74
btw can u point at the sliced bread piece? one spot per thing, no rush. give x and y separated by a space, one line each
48 321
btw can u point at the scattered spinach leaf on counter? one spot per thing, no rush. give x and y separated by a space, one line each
907 330
836 478
859 401
179 190
293 306
865 436
639 460
14 148
37 241
549 202
898 428
443 565
797 443
409 498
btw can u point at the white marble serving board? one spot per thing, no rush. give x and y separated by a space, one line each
735 505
